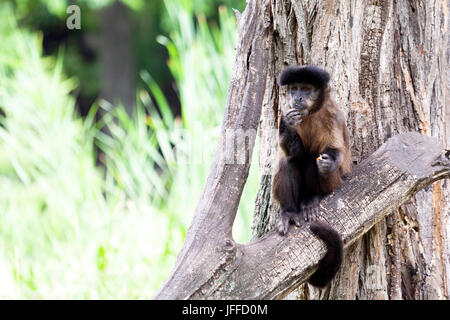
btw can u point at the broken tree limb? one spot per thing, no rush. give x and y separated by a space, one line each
273 265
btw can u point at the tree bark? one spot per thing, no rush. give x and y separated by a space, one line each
389 63
212 265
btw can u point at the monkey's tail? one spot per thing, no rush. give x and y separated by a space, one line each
330 263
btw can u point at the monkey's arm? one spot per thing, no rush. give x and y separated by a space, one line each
329 169
337 155
286 182
290 141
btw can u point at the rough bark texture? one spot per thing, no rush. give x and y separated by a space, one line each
273 34
389 64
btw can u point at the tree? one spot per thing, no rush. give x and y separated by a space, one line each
389 62
118 82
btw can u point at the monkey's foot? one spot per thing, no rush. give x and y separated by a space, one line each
310 210
287 217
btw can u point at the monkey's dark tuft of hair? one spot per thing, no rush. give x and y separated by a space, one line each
310 74
330 263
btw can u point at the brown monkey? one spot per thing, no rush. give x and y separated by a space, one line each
315 156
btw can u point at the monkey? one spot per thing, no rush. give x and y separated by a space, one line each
314 159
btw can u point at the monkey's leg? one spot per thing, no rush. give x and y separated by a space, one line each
286 190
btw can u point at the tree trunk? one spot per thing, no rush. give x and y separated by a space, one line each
389 64
116 56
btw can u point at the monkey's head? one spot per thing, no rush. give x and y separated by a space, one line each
307 86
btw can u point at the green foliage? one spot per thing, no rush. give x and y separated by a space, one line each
65 231
59 7
49 179
201 57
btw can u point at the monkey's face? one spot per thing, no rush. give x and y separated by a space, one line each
303 96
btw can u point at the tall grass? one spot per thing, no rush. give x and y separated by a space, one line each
51 204
201 59
72 229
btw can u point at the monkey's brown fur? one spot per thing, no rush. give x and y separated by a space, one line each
301 180
324 129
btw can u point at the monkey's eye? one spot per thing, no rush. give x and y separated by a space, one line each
294 88
306 89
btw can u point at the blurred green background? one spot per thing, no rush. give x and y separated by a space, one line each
106 138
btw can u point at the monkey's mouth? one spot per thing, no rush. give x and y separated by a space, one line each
300 107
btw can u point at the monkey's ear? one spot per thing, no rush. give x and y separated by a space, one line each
310 74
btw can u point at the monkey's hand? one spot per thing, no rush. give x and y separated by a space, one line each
326 164
286 217
294 117
310 210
